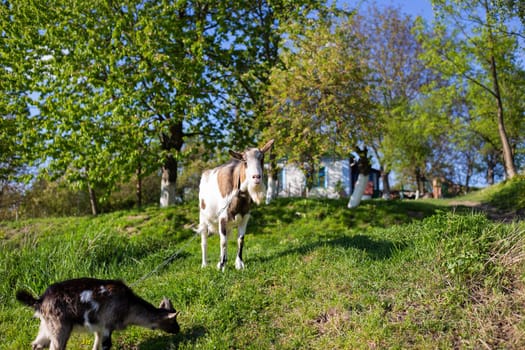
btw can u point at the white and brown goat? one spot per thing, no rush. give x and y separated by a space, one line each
99 306
225 196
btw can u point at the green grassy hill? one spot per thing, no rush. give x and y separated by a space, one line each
398 274
508 195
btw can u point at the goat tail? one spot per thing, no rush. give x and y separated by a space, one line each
27 298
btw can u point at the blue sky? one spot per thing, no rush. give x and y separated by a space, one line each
411 7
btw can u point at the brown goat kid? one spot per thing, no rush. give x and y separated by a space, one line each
99 306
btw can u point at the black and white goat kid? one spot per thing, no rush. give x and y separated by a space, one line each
99 306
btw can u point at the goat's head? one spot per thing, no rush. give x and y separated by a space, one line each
168 323
253 159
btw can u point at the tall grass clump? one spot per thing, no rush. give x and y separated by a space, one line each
483 264
477 252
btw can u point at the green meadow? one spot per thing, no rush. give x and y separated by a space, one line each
400 274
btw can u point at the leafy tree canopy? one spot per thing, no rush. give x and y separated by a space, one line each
118 86
318 101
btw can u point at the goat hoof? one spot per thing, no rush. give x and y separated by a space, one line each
220 266
239 265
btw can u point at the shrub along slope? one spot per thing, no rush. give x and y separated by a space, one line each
399 274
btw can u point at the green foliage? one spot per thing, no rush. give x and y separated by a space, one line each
99 93
417 142
471 47
48 199
397 274
56 198
508 195
397 77
10 162
318 100
102 90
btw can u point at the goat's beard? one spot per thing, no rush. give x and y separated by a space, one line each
257 192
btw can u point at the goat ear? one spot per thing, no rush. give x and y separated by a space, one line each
267 146
173 314
166 304
237 155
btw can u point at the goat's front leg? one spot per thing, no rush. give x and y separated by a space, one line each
223 233
106 341
239 264
98 342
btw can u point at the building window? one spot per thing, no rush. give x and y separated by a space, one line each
281 180
320 179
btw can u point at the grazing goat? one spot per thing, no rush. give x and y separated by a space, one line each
99 306
225 197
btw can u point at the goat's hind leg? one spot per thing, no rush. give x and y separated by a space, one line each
42 340
203 229
59 336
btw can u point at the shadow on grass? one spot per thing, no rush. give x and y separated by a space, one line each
189 336
383 214
346 225
371 213
375 249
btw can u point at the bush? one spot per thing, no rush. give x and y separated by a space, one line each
52 199
56 199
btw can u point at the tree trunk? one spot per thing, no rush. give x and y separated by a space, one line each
362 180
171 143
359 190
386 183
419 183
168 183
470 170
467 179
271 191
508 157
138 189
93 200
384 175
491 165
